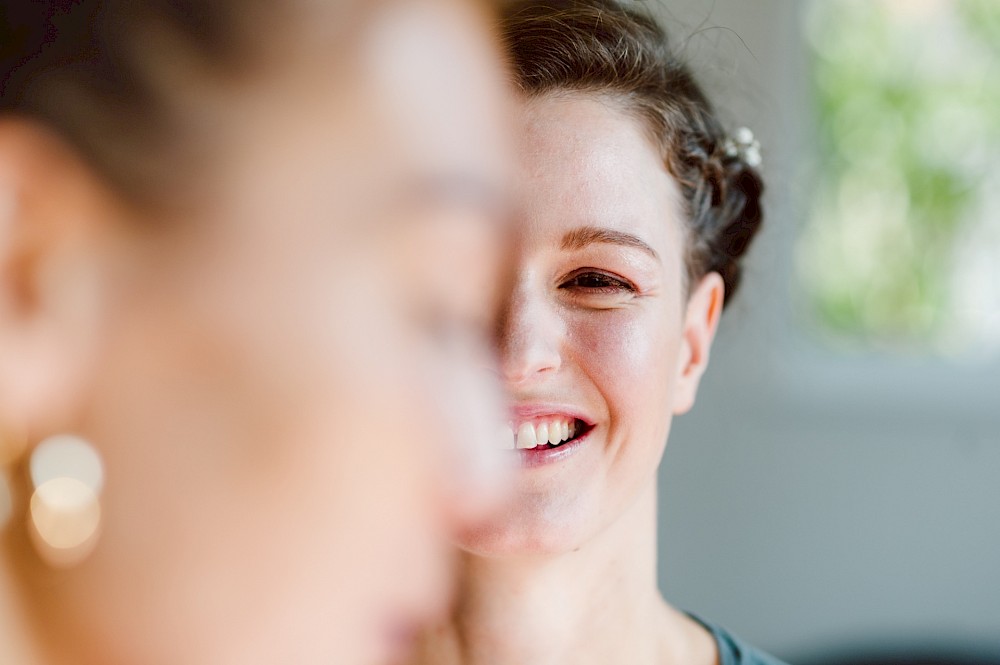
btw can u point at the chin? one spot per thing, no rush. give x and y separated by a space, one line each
530 529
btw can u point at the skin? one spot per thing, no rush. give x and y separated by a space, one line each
263 369
566 571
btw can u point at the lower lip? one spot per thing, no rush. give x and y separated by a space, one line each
532 457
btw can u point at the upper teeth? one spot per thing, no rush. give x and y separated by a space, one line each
552 430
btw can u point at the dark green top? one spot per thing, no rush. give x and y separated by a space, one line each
734 651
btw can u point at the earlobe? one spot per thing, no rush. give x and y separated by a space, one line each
48 276
701 320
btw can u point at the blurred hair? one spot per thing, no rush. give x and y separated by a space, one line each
601 47
121 80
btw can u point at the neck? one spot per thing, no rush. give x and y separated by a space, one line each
596 604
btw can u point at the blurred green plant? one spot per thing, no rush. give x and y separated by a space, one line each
907 96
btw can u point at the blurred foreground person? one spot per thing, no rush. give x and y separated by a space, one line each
228 326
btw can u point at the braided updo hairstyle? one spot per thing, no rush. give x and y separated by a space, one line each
601 47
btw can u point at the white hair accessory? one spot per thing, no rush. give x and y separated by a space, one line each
743 145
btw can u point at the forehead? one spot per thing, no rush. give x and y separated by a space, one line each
585 161
435 73
418 100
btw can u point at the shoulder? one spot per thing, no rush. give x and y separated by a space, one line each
733 650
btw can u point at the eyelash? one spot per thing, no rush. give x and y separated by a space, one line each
609 285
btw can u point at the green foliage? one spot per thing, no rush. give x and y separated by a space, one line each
907 96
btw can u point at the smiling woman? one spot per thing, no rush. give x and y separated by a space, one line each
636 209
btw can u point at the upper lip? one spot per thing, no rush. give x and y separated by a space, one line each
528 411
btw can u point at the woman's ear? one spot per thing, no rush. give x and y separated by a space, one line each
701 319
52 214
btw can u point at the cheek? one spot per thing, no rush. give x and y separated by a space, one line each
630 355
242 433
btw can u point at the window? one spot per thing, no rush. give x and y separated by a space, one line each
902 247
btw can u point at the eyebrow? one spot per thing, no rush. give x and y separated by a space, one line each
583 236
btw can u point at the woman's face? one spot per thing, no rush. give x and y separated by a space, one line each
598 331
278 380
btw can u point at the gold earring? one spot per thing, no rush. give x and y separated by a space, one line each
64 519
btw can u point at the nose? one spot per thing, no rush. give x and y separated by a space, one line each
530 335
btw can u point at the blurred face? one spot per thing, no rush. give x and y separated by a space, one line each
278 380
597 343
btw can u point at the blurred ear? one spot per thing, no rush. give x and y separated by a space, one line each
701 320
50 223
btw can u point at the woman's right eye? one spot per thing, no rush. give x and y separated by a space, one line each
594 282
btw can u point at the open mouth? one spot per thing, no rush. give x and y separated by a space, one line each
548 433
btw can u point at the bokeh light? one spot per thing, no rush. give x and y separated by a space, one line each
65 520
65 510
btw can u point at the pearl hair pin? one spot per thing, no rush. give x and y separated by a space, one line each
743 145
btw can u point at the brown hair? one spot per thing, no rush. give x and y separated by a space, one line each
598 46
124 82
